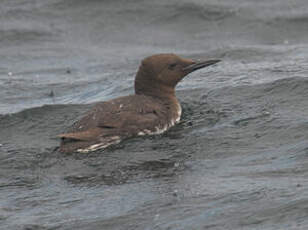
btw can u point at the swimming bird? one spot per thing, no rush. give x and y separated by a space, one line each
153 108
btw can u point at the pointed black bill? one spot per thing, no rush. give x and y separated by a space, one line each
200 65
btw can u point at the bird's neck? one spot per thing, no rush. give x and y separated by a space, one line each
155 90
145 85
166 96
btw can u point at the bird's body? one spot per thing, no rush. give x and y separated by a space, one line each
112 121
152 110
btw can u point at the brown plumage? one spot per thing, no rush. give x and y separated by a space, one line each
151 110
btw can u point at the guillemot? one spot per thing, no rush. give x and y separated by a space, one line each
153 108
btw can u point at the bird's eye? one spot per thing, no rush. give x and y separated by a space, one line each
172 66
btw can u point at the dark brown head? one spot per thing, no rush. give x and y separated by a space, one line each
159 74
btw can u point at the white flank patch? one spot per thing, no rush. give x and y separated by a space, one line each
160 130
145 132
179 113
110 141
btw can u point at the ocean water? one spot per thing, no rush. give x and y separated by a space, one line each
237 160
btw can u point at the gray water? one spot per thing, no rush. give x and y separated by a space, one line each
238 159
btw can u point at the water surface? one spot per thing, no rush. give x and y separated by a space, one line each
238 159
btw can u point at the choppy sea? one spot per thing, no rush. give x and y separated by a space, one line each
237 160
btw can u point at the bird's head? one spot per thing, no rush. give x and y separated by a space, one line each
160 73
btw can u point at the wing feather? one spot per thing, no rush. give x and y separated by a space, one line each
125 115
